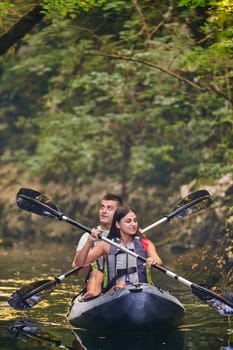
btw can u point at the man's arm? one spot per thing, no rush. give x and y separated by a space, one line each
80 245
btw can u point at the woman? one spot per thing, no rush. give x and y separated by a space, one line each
122 268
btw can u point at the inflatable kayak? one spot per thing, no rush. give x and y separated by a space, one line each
135 308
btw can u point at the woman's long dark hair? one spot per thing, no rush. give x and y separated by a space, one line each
118 215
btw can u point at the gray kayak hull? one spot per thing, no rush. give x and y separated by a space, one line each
134 308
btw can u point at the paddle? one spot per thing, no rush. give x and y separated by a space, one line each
36 202
190 204
33 293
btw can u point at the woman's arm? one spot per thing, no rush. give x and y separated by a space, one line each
153 256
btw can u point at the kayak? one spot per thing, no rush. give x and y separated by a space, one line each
135 308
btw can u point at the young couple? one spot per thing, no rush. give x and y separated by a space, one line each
120 224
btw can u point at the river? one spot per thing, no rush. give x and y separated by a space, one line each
45 325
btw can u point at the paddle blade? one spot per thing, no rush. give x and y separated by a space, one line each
30 295
37 203
221 304
192 203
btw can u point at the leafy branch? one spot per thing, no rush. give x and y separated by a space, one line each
177 76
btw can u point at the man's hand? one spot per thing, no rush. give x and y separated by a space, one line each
94 236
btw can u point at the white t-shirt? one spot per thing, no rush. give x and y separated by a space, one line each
85 236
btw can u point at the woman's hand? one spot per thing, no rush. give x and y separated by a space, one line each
94 236
150 261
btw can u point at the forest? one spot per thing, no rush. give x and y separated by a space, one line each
133 97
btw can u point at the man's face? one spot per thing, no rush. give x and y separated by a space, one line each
106 211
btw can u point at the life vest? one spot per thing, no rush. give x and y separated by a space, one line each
122 266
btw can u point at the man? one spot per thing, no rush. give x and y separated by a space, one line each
108 205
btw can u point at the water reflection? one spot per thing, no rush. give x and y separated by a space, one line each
203 329
173 340
32 332
36 334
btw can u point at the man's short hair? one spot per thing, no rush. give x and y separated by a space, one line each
113 197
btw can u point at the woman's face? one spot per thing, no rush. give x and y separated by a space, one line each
128 224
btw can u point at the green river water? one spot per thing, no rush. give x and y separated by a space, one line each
48 327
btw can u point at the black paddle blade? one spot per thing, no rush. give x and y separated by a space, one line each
221 304
192 203
30 295
37 203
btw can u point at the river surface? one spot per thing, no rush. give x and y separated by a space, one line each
45 325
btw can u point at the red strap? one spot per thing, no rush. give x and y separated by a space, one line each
145 243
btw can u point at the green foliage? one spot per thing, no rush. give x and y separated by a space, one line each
51 7
68 8
112 94
193 3
5 8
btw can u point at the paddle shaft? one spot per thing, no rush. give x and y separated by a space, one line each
157 223
53 282
163 269
127 251
171 274
75 223
175 213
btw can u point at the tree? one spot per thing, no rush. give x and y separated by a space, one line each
19 17
116 93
